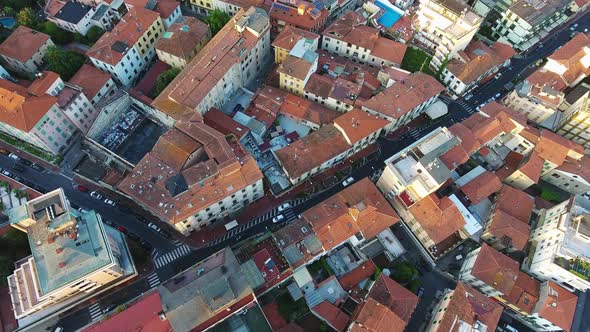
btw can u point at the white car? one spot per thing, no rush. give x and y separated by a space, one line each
347 181
154 227
278 218
13 156
96 195
83 210
284 206
458 257
109 202
574 27
469 97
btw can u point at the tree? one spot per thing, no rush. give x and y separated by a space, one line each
165 78
64 63
57 34
216 20
404 272
9 11
93 35
27 17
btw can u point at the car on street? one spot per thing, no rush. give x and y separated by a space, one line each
83 210
469 97
458 257
109 202
145 244
108 222
108 309
573 27
96 195
278 218
420 292
13 156
121 229
284 206
497 95
132 236
37 167
347 181
7 173
154 227
586 30
25 162
82 189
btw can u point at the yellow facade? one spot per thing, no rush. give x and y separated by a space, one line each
206 4
280 54
291 84
150 36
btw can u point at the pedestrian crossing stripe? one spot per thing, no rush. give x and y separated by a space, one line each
95 311
153 280
171 256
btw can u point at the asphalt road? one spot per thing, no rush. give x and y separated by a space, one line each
458 110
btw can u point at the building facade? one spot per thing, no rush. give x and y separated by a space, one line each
24 49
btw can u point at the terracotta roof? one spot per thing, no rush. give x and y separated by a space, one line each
329 312
182 38
166 7
508 118
372 316
389 50
394 296
454 157
531 134
356 125
481 187
580 167
345 91
218 120
142 315
295 67
555 148
509 230
303 109
532 166
180 99
290 16
358 274
559 305
319 85
245 4
358 208
573 55
469 305
403 96
440 218
54 6
515 202
21 110
124 35
41 84
468 142
525 292
478 59
495 269
23 43
90 79
483 128
291 35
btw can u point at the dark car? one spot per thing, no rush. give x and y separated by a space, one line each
25 162
420 292
37 167
132 236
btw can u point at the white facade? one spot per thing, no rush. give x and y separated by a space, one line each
535 109
174 16
348 50
81 27
466 276
33 64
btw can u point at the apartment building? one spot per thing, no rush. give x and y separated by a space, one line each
330 145
349 36
464 309
230 7
61 273
232 59
95 84
126 50
297 67
193 176
445 28
24 49
525 22
305 16
182 41
559 245
574 123
337 94
477 62
289 38
404 100
35 117
169 11
70 15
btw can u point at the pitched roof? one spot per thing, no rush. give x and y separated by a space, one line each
372 316
291 16
41 84
468 142
183 37
290 35
555 148
580 167
495 269
440 218
304 109
394 296
478 59
483 128
532 166
515 202
525 292
23 43
454 157
557 305
166 7
329 312
511 231
403 96
356 125
90 79
467 305
295 67
22 110
481 187
222 122
358 274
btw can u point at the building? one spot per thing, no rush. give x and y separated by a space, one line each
74 256
70 15
289 38
572 176
445 28
306 17
182 41
35 117
404 100
339 94
231 60
207 293
230 7
297 67
575 120
464 309
526 22
169 11
306 112
477 62
558 245
330 145
193 176
350 37
127 50
95 84
555 309
24 49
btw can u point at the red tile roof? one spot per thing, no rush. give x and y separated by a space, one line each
483 128
372 316
291 35
23 43
360 273
356 125
509 230
218 120
555 148
295 67
559 305
525 292
478 59
481 187
495 269
143 315
532 166
41 84
468 142
90 79
182 38
303 109
329 312
21 110
454 157
291 16
166 7
580 167
515 202
440 218
394 296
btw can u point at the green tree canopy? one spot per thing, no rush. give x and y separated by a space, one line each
57 34
27 17
216 20
65 63
165 78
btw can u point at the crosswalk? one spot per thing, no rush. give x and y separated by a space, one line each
169 257
153 280
95 311
466 105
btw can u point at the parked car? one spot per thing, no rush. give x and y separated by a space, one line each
573 27
109 202
420 292
37 167
96 195
83 210
145 244
13 156
25 162
347 181
458 257
82 189
154 227
7 173
278 218
284 206
132 236
497 95
108 309
121 229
